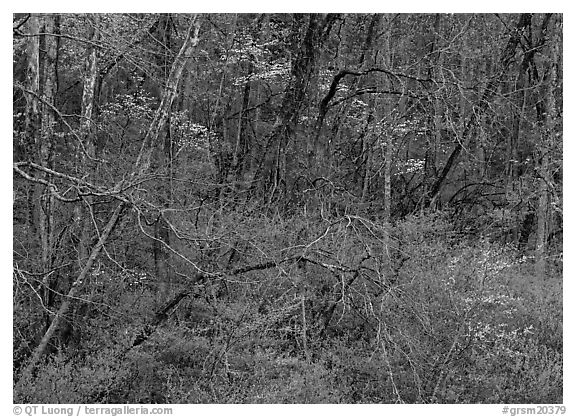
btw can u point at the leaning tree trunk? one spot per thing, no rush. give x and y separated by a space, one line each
140 168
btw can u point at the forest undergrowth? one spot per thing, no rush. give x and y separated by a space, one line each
287 208
413 313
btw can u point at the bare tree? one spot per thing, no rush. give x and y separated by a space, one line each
140 169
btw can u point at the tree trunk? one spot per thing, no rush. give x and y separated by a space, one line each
367 60
387 57
549 129
543 211
273 166
520 104
162 257
32 115
161 115
87 154
242 146
51 28
367 144
387 112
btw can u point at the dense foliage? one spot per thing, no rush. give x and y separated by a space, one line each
287 208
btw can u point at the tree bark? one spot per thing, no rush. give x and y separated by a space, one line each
387 107
438 121
162 258
549 128
87 154
32 84
242 146
367 60
388 146
51 28
32 115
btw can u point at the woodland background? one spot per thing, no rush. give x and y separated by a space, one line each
287 208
